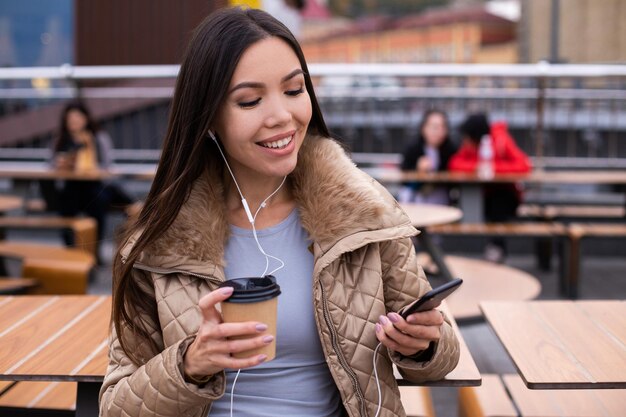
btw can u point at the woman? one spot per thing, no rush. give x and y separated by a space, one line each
82 146
344 242
430 153
500 200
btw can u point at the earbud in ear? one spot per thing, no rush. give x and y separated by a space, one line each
212 135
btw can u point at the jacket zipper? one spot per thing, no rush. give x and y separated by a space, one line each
342 360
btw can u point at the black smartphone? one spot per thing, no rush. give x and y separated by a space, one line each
432 298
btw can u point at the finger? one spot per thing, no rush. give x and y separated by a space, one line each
237 363
226 330
415 330
392 344
208 302
426 318
241 345
405 341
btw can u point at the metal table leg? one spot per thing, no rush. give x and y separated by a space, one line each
87 399
434 251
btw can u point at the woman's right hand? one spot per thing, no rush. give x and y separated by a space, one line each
424 164
211 351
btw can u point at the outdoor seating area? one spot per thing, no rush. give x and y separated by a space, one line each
346 208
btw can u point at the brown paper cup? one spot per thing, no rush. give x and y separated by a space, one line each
254 299
265 312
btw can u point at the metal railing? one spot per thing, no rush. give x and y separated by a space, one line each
554 111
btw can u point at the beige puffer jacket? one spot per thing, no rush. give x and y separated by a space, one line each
364 266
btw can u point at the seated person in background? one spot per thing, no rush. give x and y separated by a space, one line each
430 152
500 200
82 146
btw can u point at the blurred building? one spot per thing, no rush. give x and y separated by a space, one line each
584 31
453 35
122 32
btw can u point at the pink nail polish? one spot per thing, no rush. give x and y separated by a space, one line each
261 327
393 317
262 358
378 328
227 290
268 339
383 320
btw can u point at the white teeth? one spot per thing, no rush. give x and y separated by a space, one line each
278 144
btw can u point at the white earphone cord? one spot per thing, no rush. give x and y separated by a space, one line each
252 220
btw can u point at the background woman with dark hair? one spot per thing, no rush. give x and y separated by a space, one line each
429 153
82 146
244 121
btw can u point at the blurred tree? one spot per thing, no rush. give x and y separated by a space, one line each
358 8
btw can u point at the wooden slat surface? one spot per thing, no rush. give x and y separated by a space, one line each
563 344
566 403
53 338
41 394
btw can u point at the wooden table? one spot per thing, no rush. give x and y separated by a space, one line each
9 202
64 338
30 173
563 344
471 201
424 215
56 338
466 373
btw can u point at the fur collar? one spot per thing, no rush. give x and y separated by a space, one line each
335 200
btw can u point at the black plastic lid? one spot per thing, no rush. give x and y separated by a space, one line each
252 289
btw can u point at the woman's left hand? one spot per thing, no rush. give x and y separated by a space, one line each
412 335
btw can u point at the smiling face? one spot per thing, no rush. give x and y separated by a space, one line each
265 115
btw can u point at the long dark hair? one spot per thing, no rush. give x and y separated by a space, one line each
205 73
64 138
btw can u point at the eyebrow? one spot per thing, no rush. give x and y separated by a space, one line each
250 84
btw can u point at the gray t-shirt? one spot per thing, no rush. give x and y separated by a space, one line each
297 382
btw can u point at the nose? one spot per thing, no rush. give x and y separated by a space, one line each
278 113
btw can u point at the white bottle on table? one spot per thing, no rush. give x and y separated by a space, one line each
485 168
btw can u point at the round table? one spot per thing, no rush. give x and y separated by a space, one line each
9 202
424 215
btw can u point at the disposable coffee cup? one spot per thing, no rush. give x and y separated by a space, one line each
253 299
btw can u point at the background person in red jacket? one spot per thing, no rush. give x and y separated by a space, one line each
500 200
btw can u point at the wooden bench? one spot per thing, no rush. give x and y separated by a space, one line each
58 270
483 281
552 212
492 400
16 285
547 230
417 401
576 233
35 398
488 400
85 229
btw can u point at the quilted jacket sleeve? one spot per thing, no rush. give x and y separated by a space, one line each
404 282
157 387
